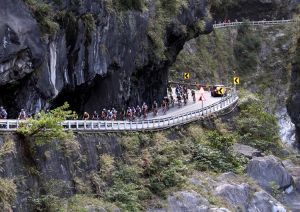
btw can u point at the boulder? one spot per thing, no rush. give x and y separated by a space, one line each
247 151
268 170
187 201
262 201
235 195
227 177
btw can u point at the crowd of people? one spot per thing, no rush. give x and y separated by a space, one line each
131 113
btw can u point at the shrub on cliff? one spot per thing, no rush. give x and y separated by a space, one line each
255 126
246 49
217 154
46 127
44 15
8 188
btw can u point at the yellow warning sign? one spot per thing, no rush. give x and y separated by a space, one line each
221 90
186 75
236 80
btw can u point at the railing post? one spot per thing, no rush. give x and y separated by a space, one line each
118 125
130 125
7 125
77 126
105 125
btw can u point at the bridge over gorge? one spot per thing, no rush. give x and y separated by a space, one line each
175 116
253 23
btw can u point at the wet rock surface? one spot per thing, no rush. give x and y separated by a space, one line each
268 170
293 102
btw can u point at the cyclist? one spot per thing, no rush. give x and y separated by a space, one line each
184 99
95 115
3 113
129 114
144 110
22 115
179 101
185 91
167 102
109 115
86 116
114 114
172 100
164 106
193 95
155 108
138 111
104 114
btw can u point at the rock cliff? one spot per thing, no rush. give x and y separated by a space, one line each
91 53
293 102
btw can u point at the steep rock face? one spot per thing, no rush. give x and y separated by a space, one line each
115 61
293 102
50 170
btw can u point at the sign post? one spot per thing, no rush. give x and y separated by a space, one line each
236 80
186 75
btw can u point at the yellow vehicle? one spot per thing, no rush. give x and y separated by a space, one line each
218 90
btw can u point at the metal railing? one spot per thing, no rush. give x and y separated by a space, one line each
253 23
142 125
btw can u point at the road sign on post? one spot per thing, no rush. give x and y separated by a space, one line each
236 80
221 90
186 75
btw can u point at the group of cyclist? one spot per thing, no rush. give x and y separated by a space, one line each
131 113
182 95
104 115
22 115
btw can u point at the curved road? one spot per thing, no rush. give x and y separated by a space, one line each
191 106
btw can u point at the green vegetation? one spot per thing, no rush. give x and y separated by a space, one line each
44 15
46 128
246 49
89 22
8 188
165 11
209 59
217 155
255 126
